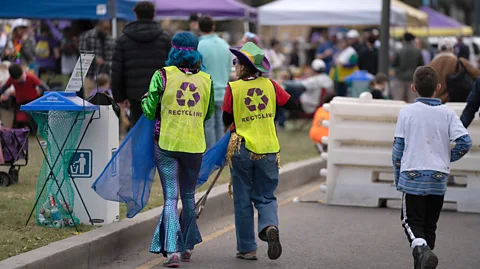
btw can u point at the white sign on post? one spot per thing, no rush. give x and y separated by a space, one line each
80 72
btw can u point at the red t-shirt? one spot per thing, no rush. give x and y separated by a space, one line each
25 91
281 95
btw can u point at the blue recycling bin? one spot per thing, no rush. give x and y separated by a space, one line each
59 116
359 82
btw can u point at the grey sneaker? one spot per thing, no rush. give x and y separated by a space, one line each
172 261
187 255
251 256
424 258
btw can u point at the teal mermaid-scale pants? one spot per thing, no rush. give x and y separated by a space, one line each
178 171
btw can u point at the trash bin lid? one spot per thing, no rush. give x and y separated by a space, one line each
59 101
360 75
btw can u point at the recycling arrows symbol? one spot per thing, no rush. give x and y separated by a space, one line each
250 103
181 95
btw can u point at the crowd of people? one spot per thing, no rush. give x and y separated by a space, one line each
188 85
308 71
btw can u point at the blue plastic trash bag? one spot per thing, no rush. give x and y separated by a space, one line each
213 159
129 175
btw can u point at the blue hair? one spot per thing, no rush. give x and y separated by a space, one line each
188 58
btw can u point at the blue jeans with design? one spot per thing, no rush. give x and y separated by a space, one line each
214 128
254 184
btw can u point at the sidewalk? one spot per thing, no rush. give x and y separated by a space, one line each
316 236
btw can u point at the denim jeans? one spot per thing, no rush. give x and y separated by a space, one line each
254 183
214 129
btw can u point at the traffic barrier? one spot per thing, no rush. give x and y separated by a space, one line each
359 167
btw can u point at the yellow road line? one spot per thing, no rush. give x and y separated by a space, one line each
214 235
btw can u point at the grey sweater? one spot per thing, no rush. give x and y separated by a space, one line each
406 61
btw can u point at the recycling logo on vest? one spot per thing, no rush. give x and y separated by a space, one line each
261 100
256 100
181 98
187 96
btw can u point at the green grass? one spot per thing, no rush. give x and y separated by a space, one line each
16 201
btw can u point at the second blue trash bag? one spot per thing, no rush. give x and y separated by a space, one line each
213 159
129 175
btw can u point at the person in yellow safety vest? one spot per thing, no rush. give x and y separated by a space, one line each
253 153
181 97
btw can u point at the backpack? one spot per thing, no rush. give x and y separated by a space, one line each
103 99
459 84
42 50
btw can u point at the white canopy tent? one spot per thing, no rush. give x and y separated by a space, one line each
327 12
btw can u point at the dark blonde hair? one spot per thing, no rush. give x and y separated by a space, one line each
103 80
380 78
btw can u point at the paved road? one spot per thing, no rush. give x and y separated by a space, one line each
314 235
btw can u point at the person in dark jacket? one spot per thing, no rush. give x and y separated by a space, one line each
368 57
462 50
141 50
473 104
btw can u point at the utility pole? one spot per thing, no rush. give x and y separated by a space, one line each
476 26
384 37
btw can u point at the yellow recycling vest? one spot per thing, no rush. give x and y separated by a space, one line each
254 104
184 106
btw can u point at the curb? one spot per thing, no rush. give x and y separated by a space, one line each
105 244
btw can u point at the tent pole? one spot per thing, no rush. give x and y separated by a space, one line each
246 26
246 22
114 28
384 37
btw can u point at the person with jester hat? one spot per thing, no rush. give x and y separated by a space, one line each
253 152
181 97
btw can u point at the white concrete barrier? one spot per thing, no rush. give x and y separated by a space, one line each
359 167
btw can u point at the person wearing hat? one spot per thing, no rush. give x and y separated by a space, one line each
445 63
406 61
253 153
368 57
308 92
345 63
181 98
353 37
21 47
249 37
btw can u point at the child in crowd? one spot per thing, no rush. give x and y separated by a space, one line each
26 89
102 95
103 81
421 161
318 131
379 84
25 85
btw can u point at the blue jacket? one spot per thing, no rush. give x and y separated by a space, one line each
473 104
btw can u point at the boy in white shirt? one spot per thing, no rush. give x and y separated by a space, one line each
421 161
